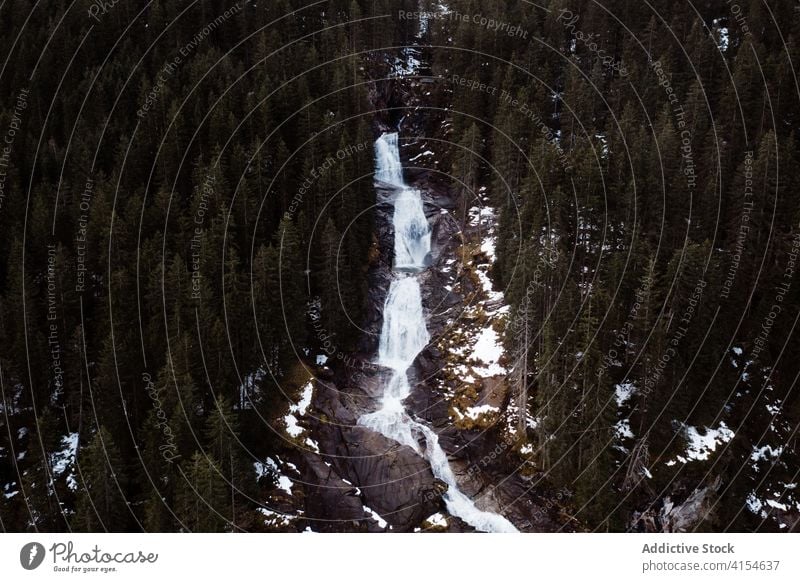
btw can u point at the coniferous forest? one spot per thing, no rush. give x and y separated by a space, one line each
399 265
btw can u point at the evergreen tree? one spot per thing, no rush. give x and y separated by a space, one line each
102 505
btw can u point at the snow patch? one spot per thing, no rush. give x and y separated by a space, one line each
623 392
425 153
374 515
295 410
488 350
765 453
475 412
64 459
273 518
754 504
488 248
437 520
623 429
700 446
270 466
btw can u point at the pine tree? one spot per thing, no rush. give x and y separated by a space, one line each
202 501
466 167
222 435
101 505
292 289
332 280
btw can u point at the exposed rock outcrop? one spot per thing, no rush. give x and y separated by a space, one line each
675 517
358 468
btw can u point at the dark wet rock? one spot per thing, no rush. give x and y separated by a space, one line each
331 504
323 373
359 374
384 201
515 499
394 480
426 404
456 525
425 367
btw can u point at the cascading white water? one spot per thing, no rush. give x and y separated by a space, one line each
412 239
404 335
387 159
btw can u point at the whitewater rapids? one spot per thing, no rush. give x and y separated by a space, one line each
404 335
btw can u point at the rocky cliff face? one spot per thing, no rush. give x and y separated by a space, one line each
354 479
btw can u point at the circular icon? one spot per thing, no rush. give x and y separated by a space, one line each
31 555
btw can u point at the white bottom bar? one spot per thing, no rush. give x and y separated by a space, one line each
424 557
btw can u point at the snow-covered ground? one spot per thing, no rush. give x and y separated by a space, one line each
295 413
63 460
701 443
276 468
473 346
477 412
298 410
436 520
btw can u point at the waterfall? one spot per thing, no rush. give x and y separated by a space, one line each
404 335
412 238
387 159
